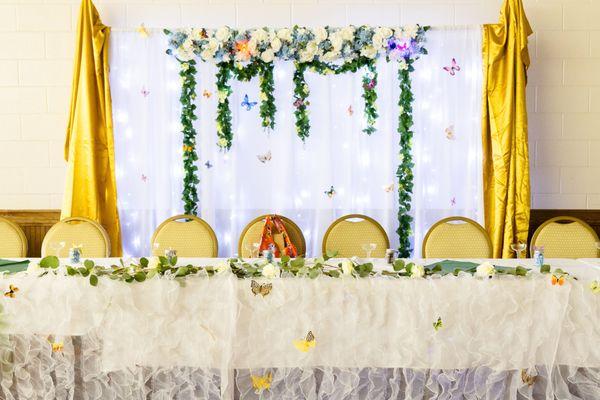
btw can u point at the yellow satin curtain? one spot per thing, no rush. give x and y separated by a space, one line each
89 148
504 128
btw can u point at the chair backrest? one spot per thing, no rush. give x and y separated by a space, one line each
565 237
13 242
189 235
252 233
348 234
457 237
75 231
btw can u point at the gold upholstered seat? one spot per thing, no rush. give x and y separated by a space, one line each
76 231
13 242
565 237
348 234
457 237
189 235
252 234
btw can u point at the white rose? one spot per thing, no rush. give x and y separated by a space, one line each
369 52
485 270
284 34
348 33
347 267
417 271
33 268
212 44
153 262
384 32
267 56
207 54
222 34
336 43
276 44
402 65
259 35
378 40
320 34
331 56
270 271
222 267
196 34
252 46
410 32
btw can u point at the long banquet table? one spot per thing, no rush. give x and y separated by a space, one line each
205 338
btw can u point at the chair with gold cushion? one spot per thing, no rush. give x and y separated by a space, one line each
348 234
565 237
13 242
457 237
189 235
252 233
76 231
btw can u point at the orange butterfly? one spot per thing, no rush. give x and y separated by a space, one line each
11 291
558 280
57 347
206 94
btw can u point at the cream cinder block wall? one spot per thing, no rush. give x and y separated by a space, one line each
36 47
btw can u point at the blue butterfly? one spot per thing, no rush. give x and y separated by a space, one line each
247 104
208 164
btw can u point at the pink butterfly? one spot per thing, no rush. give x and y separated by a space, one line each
145 92
453 201
453 68
144 178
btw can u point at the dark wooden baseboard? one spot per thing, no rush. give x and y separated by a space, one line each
35 224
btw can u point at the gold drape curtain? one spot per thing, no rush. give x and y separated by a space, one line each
504 128
89 148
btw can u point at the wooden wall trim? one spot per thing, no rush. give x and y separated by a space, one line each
35 224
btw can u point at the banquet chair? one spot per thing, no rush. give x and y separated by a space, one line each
13 242
75 231
565 237
347 236
189 235
457 237
252 234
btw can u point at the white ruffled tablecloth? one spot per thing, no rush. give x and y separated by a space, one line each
204 338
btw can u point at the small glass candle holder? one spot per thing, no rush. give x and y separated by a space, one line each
75 254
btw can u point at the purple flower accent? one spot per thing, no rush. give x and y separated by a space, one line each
402 48
298 103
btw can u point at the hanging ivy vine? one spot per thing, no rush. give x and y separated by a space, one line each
302 91
267 109
187 74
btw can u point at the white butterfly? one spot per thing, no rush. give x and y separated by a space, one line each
263 158
388 188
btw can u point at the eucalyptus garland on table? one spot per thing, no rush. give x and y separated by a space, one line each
229 69
301 90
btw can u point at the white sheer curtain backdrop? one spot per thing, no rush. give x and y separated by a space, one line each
447 143
237 186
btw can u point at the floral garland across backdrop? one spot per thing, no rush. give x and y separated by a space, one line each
245 54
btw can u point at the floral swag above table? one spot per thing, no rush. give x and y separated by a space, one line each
245 54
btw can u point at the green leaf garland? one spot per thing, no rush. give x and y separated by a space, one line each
267 110
187 73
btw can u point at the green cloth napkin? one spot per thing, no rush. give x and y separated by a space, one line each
12 266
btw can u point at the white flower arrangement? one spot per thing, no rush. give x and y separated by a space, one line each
485 270
302 44
417 271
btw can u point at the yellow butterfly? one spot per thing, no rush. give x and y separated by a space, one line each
142 31
206 94
263 289
12 290
527 379
437 325
595 287
388 188
187 149
261 383
449 132
558 280
57 347
306 344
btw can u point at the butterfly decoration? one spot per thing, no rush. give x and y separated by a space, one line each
306 344
263 289
330 193
57 347
144 178
595 287
450 132
208 165
206 94
263 158
145 92
261 383
142 31
453 202
12 290
453 68
558 280
437 325
350 110
247 104
527 379
388 188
